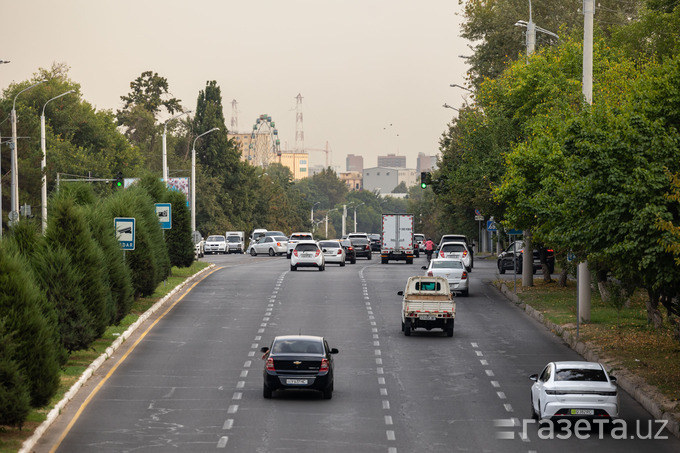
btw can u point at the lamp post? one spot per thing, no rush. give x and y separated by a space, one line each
455 85
311 217
13 163
355 216
193 178
447 106
43 165
165 149
328 212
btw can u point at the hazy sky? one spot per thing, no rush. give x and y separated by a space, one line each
361 65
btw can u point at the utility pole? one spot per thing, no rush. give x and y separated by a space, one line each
583 274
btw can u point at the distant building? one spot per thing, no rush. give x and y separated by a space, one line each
354 163
392 160
385 179
298 163
352 179
425 162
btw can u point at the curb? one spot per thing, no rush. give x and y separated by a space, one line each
648 396
94 366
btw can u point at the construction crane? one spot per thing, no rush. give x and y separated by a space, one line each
326 150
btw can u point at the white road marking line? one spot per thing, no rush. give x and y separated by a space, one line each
380 370
251 353
376 343
378 361
508 407
378 352
240 384
483 362
381 381
390 435
501 395
489 373
386 404
479 353
228 423
247 364
254 346
388 420
244 373
383 392
222 442
474 345
237 396
495 384
232 409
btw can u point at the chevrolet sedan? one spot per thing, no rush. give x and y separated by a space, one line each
298 362
307 254
333 252
454 271
574 390
272 245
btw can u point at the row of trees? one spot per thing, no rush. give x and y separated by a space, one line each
599 181
61 290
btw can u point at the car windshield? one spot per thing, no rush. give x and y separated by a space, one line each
428 286
453 248
233 239
579 374
329 244
280 238
295 346
300 237
418 237
359 241
442 264
216 238
306 247
346 243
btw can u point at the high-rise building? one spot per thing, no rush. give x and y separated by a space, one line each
392 160
425 162
354 163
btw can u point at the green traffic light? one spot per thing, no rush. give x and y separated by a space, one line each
423 185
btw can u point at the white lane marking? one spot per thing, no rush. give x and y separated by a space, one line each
251 353
378 352
222 442
254 346
381 381
247 364
479 353
508 407
501 395
240 384
228 423
483 362
386 404
244 373
390 435
378 361
380 370
258 338
232 409
237 396
495 384
489 373
376 343
388 420
383 391
474 345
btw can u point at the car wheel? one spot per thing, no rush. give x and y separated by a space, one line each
272 252
449 328
354 260
266 392
407 327
288 256
293 268
501 269
409 260
534 415
551 269
383 260
328 392
518 267
322 267
369 255
253 252
402 326
342 264
466 293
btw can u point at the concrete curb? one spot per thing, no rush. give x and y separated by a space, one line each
648 396
87 374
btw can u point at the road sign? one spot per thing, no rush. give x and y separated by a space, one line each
164 213
196 237
514 232
479 217
491 225
125 232
477 213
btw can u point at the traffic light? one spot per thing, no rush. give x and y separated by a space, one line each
119 179
424 179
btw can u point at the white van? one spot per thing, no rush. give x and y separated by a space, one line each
236 242
257 233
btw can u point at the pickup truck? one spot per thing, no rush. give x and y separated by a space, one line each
427 303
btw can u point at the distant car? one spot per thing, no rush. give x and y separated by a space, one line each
272 245
361 247
506 259
275 233
295 238
461 238
358 235
199 249
454 271
374 239
307 254
234 243
215 244
298 362
420 240
574 390
333 252
455 250
350 255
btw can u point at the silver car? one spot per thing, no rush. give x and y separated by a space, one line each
307 254
454 271
333 252
272 245
215 244
456 250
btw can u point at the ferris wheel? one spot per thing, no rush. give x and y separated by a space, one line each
264 146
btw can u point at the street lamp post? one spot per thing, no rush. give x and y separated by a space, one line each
43 165
1 62
311 217
13 163
355 216
165 149
328 212
447 106
193 178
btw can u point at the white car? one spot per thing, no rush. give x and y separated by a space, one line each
574 390
307 254
272 245
456 250
333 252
295 238
454 271
215 244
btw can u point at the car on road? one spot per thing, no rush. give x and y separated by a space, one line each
455 250
295 238
199 249
506 259
419 241
454 271
272 245
350 255
361 247
374 239
333 252
575 389
215 244
298 362
235 242
460 238
307 254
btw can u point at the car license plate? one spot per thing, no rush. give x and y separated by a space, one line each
427 317
306 255
296 381
582 412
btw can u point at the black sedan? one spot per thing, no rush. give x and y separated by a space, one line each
298 362
361 247
350 255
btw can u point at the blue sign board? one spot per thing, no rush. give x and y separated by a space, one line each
164 213
514 232
491 225
125 232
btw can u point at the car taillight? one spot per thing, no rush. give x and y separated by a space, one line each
350 248
465 252
278 244
324 365
295 252
442 254
464 276
317 253
339 251
270 364
429 274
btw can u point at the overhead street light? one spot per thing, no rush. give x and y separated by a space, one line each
311 217
193 178
13 163
165 149
328 212
43 165
355 216
455 85
447 106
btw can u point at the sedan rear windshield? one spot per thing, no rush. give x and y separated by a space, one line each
329 244
441 264
580 375
300 237
453 248
359 241
297 347
306 248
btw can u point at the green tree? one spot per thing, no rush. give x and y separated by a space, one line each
15 399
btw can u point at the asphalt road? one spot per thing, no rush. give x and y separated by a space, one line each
193 382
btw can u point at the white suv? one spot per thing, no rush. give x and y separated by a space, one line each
215 244
307 254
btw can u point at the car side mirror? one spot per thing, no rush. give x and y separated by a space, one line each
400 293
423 267
613 379
534 377
324 250
264 349
334 350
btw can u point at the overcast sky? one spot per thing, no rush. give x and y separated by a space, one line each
373 73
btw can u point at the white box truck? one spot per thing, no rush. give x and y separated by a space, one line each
397 238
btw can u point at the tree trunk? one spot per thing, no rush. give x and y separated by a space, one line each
653 314
564 274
